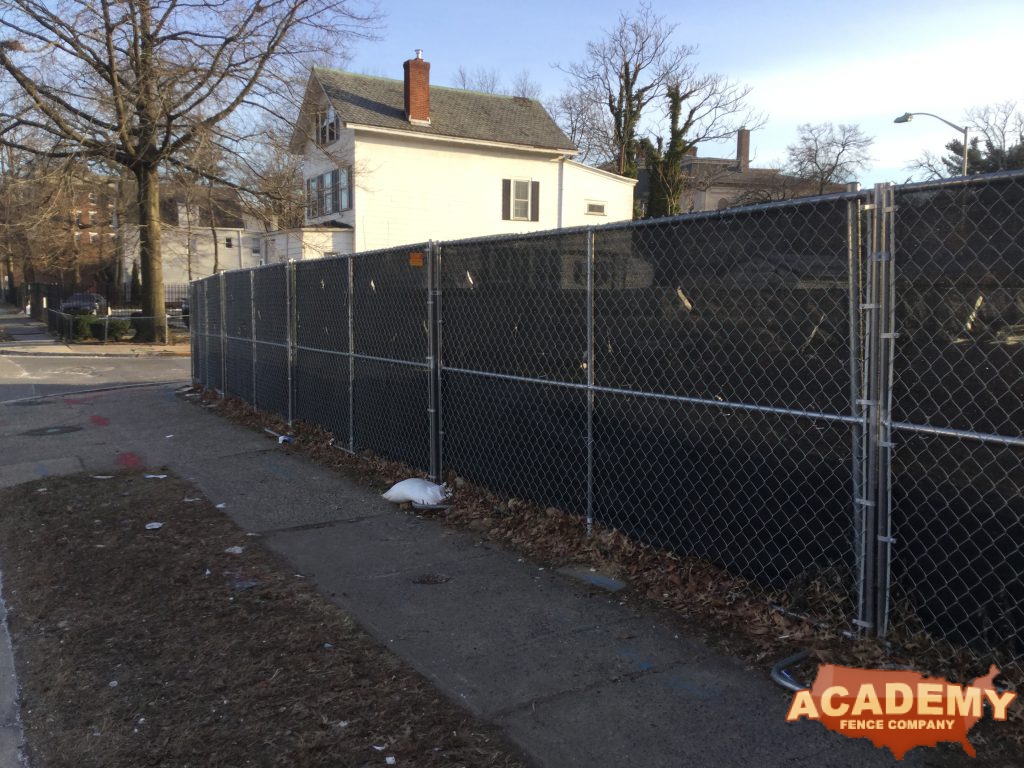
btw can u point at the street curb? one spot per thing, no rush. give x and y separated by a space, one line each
118 388
18 353
12 750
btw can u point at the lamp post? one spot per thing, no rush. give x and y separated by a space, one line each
906 117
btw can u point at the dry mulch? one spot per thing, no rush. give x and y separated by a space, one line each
139 647
735 616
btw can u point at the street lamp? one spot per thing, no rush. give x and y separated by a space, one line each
906 117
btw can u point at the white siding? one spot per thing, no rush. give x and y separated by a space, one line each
582 184
303 244
408 190
184 252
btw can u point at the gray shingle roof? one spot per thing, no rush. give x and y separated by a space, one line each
380 102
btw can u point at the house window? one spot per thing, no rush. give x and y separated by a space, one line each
520 200
328 193
94 237
595 208
229 242
327 127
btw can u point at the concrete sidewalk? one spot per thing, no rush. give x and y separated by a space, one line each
571 675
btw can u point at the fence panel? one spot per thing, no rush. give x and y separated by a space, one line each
321 375
716 384
723 417
270 324
958 416
514 365
390 348
238 316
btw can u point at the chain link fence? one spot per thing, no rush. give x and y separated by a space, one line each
821 396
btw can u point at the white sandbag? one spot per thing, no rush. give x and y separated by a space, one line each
418 492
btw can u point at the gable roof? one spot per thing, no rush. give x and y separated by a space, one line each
455 113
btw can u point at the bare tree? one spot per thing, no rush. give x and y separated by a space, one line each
480 79
997 144
524 86
825 154
133 84
587 125
635 65
627 70
36 213
272 178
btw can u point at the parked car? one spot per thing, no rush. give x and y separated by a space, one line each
85 303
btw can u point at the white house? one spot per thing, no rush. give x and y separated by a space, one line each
305 243
202 231
395 162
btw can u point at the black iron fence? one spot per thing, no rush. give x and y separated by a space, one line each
822 396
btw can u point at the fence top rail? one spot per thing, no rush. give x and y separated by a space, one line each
961 181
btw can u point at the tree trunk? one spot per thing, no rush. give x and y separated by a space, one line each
213 229
9 272
149 254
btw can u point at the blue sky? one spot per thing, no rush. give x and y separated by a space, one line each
860 61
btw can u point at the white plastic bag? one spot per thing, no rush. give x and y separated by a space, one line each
417 491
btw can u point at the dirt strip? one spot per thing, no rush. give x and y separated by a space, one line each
187 644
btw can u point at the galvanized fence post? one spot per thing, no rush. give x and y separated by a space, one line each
438 252
433 393
856 319
223 337
291 301
351 358
867 404
590 380
252 332
884 256
193 351
876 497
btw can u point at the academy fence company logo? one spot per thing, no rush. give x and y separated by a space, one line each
898 710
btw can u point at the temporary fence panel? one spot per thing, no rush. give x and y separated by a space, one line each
821 397
957 480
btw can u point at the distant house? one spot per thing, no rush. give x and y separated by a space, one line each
393 162
713 183
203 230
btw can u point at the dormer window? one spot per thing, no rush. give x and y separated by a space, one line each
327 127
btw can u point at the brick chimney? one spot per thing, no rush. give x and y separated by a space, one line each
417 90
742 150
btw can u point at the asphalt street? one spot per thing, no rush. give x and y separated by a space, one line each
25 376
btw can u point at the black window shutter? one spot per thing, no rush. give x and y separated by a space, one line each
506 199
334 192
534 201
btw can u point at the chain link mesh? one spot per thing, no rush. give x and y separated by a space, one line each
709 319
271 326
390 348
957 475
715 384
514 319
238 309
321 375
